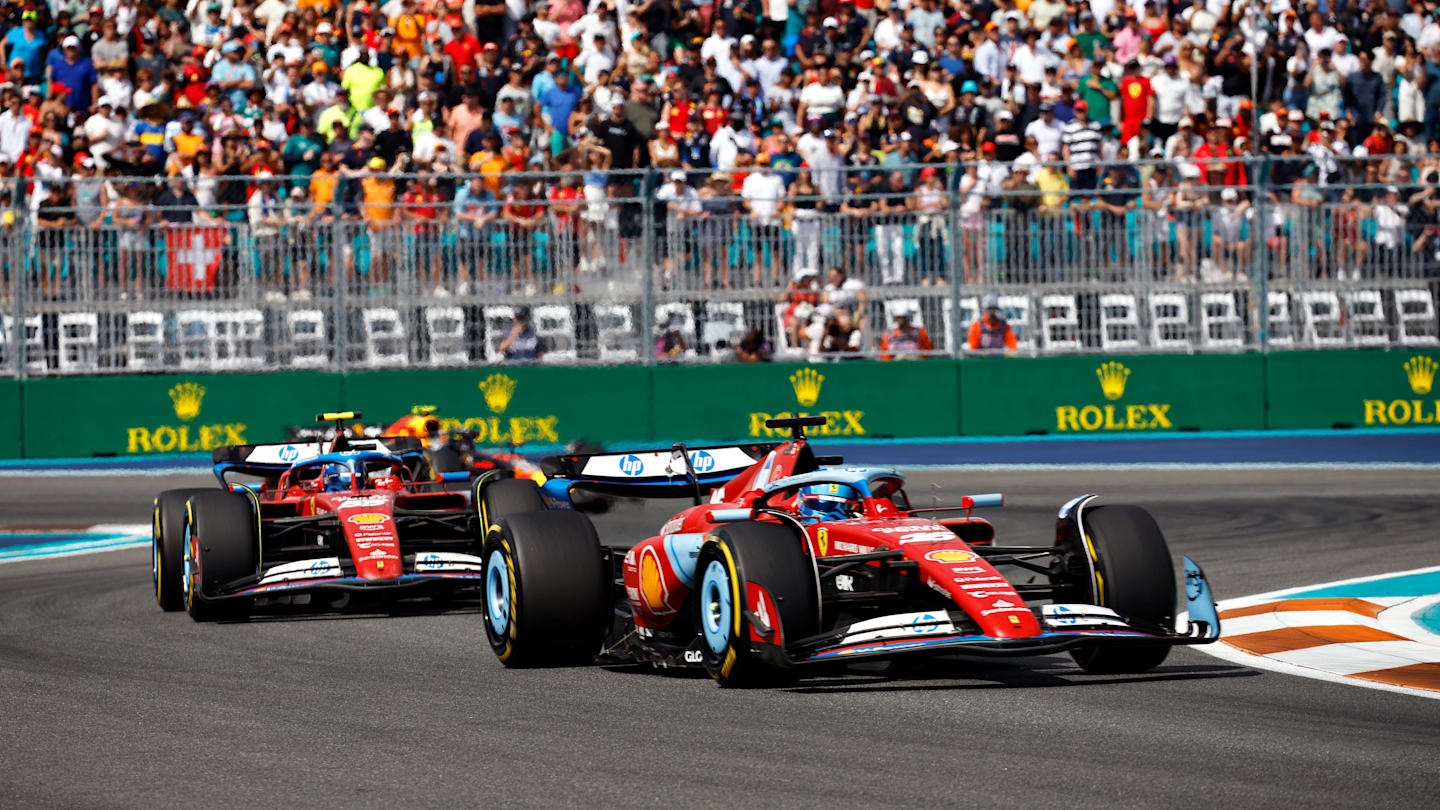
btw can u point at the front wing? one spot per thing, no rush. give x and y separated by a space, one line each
421 568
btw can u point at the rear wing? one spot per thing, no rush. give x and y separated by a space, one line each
271 460
655 473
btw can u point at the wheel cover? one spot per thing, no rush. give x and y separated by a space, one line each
190 565
497 592
715 607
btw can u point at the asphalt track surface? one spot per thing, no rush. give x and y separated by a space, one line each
109 702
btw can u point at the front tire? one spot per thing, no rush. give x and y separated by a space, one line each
222 534
547 590
167 547
1136 580
732 558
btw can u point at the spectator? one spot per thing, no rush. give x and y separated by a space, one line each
762 193
521 343
990 331
753 348
906 340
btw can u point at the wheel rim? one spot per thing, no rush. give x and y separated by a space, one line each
497 592
715 607
155 559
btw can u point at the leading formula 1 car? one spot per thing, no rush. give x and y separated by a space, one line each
794 561
363 516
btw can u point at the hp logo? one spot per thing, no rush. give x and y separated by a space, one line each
289 453
702 461
632 465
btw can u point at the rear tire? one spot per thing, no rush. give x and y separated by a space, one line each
508 496
768 555
547 590
167 547
223 535
1137 581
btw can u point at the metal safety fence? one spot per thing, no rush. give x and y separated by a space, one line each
376 271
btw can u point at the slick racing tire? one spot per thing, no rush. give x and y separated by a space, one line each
547 590
1136 580
732 558
507 496
223 537
167 547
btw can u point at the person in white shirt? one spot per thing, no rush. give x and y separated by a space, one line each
1320 36
717 46
1026 61
103 131
1390 217
989 60
596 58
1046 130
1171 89
887 31
824 99
1344 61
14 128
681 202
769 67
600 22
763 191
547 29
729 140
272 12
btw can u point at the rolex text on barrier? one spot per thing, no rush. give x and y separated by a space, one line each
1377 388
858 399
1111 394
137 415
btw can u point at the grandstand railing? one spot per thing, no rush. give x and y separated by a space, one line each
611 275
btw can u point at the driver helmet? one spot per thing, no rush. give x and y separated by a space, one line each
337 478
828 502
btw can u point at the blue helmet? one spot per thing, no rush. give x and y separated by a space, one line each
829 502
337 478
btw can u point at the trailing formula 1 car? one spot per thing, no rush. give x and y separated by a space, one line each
788 560
454 449
362 516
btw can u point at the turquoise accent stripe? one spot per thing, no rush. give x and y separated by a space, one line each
1429 618
1425 584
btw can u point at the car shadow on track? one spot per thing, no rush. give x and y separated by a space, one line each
954 674
279 616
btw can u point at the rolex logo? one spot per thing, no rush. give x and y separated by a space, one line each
498 389
1112 379
187 396
806 383
1420 371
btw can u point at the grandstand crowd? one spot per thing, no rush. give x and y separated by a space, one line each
763 110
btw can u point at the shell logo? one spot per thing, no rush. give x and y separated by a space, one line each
952 555
652 580
368 519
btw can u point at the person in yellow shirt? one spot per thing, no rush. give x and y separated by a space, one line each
361 79
1051 179
188 140
409 31
490 162
323 182
377 195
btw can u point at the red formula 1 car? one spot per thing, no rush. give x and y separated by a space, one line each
364 516
795 561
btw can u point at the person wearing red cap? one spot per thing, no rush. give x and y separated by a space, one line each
1080 147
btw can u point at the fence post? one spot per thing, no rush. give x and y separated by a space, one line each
338 283
20 277
647 258
1260 272
956 274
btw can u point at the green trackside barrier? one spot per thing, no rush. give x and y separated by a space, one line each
130 415
10 432
1111 394
861 398
514 405
1362 388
